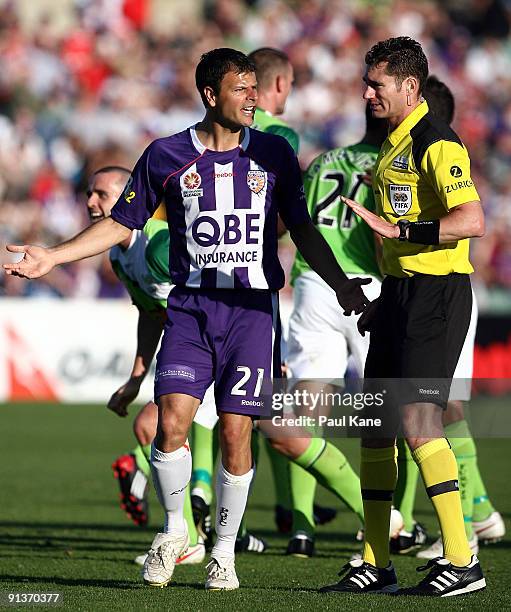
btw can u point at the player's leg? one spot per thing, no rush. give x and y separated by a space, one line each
144 428
283 504
234 478
171 466
203 460
246 541
202 475
317 350
462 444
324 461
248 353
487 524
180 385
132 470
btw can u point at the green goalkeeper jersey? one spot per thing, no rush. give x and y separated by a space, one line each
266 122
336 173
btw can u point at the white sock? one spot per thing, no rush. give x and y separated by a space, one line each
171 475
231 500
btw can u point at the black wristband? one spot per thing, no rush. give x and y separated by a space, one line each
424 232
403 225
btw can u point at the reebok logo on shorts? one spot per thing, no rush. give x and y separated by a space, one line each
174 370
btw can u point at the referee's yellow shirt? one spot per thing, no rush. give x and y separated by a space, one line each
422 171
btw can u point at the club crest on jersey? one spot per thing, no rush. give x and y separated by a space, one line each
256 180
190 185
401 161
400 198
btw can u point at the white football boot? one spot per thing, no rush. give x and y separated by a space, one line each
192 555
221 575
491 530
162 558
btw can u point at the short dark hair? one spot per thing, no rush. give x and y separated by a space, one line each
105 169
439 98
404 57
268 63
215 64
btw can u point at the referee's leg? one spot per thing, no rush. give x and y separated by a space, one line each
437 464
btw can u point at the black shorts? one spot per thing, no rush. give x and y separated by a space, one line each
418 333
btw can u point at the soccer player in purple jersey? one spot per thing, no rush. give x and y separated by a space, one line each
223 186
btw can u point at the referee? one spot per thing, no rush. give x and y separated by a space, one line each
427 208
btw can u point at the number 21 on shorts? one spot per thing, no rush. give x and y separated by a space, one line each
240 387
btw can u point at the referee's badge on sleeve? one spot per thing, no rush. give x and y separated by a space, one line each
400 198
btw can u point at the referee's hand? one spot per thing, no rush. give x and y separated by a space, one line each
380 226
351 297
366 320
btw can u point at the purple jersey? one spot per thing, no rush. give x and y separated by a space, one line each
221 207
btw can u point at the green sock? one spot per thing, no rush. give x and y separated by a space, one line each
464 450
482 504
142 458
303 488
202 460
279 467
331 469
188 516
407 476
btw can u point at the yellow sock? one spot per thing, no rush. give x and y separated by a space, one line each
437 465
378 475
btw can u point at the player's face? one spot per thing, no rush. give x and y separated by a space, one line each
236 100
104 191
385 99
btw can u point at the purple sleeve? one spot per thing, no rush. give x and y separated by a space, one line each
291 195
142 194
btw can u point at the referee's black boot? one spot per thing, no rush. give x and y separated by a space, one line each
362 577
447 580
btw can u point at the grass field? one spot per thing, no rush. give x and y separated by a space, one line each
62 530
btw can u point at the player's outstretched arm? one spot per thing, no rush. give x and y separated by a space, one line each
319 256
38 261
149 332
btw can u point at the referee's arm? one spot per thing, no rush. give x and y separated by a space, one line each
463 221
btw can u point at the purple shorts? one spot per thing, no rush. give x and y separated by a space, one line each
228 336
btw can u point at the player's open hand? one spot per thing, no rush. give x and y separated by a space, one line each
380 226
37 261
124 395
351 297
366 320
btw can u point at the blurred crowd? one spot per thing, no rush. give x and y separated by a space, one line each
99 90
